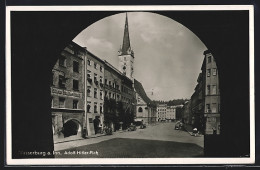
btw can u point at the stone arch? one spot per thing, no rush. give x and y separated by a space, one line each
71 127
33 35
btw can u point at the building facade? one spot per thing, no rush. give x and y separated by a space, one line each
145 108
170 113
205 101
95 92
212 95
161 112
67 91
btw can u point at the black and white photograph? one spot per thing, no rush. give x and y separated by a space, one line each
130 85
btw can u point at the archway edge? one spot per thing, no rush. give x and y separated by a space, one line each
45 34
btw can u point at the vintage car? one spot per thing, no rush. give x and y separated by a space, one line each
178 126
132 127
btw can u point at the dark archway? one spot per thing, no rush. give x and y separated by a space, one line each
71 128
38 37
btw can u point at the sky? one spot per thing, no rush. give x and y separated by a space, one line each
168 56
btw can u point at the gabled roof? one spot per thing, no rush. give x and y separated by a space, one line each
140 90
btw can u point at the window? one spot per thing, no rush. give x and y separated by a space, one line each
95 108
62 61
95 93
75 66
75 104
113 85
101 108
140 109
109 83
75 85
62 81
89 92
101 95
208 89
88 108
95 77
61 102
100 79
105 81
109 94
209 59
208 110
89 74
214 71
101 69
214 89
113 96
214 108
89 62
95 65
118 97
105 93
208 72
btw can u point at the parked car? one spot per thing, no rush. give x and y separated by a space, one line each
132 128
178 126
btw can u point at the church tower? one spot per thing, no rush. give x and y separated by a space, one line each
126 54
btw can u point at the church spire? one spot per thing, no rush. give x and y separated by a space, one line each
126 48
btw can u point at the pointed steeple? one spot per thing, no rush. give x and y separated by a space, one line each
126 47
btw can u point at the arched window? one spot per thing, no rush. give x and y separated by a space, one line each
140 109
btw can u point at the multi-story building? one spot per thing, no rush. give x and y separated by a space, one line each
170 113
161 112
205 101
212 95
95 92
67 91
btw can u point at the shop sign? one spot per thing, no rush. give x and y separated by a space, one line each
67 93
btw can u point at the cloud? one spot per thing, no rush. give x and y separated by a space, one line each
97 42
